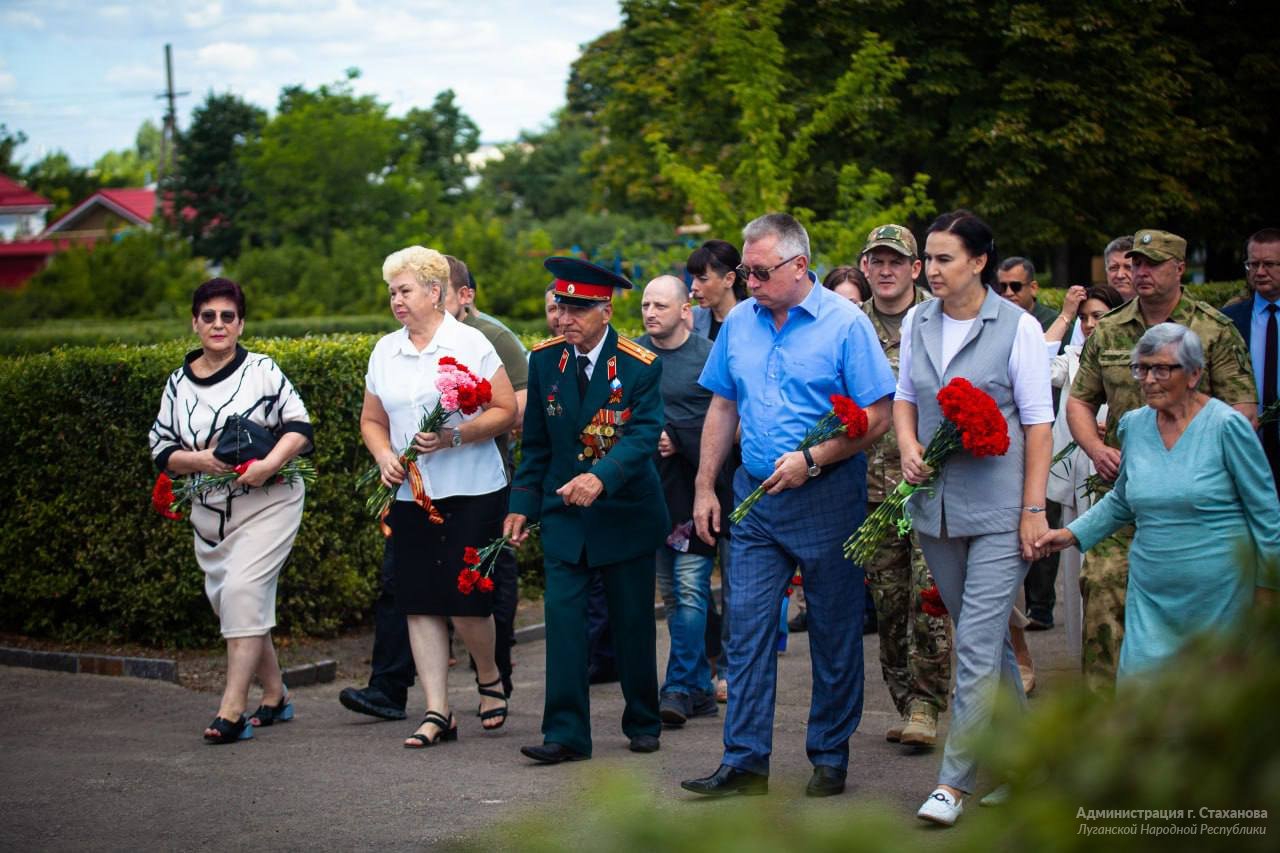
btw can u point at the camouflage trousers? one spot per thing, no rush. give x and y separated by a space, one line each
915 648
1103 580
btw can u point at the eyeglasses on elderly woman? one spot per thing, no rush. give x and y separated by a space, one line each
1159 371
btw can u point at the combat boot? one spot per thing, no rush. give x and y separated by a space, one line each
922 725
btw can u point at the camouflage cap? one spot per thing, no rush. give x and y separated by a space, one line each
1159 246
895 237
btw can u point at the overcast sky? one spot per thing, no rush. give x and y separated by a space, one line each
82 76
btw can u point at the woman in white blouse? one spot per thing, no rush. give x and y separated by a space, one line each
1067 477
462 473
243 533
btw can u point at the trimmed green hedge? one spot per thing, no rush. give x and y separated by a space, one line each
83 555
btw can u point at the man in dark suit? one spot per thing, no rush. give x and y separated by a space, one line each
1257 319
587 476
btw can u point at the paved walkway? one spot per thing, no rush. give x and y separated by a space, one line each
115 763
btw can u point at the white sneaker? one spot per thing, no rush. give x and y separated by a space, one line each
941 808
997 797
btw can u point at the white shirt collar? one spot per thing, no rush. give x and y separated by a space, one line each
594 355
445 338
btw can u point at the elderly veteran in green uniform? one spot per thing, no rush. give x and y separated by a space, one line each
587 475
915 647
1159 260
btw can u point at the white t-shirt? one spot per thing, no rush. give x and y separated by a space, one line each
1028 364
404 380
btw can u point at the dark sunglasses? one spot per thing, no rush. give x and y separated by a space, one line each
1000 286
208 315
761 273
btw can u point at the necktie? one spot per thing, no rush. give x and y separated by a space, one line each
1271 432
584 363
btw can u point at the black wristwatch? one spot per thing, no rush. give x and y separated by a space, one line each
814 468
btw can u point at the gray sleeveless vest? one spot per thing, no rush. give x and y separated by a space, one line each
973 496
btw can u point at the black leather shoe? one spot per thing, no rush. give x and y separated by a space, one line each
552 753
644 743
370 701
825 782
728 781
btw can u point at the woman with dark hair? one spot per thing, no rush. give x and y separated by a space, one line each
716 285
850 283
243 533
1067 477
979 524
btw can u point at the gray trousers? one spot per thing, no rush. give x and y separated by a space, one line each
979 577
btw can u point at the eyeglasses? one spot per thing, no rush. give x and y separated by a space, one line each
209 315
1159 371
1001 286
761 273
1270 266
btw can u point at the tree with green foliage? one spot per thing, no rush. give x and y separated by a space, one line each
10 142
541 173
438 140
209 186
65 184
132 167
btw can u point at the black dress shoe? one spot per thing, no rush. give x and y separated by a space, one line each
728 781
552 753
825 782
644 743
370 701
602 674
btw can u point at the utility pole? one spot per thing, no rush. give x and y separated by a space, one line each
168 136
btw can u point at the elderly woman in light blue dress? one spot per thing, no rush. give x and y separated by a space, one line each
1195 484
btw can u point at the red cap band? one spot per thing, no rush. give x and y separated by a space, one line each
580 290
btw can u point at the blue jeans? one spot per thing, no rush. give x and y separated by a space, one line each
684 580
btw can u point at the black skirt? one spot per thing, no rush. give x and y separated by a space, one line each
428 557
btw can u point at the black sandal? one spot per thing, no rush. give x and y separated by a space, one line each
228 731
268 714
448 731
499 714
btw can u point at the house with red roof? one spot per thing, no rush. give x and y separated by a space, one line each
22 218
103 214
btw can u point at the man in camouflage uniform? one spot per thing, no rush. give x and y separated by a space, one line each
915 648
1159 260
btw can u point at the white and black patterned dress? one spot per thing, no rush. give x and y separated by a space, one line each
242 536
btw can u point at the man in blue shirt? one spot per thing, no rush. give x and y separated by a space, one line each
779 357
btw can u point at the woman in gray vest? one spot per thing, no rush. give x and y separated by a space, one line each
979 525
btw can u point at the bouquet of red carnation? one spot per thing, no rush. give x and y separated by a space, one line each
169 496
460 391
845 417
931 602
971 421
477 565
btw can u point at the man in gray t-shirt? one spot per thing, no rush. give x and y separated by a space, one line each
683 564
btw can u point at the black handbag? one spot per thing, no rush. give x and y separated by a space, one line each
242 440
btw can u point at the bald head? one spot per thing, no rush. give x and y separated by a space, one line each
666 312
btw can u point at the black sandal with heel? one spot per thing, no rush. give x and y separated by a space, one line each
229 731
447 731
499 714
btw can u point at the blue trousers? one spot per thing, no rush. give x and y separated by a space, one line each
684 581
978 578
806 527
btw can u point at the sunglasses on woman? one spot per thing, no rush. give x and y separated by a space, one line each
208 315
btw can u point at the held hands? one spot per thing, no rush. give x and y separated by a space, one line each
914 471
430 442
1056 540
665 445
789 471
515 529
706 514
1031 528
392 471
257 474
206 463
582 490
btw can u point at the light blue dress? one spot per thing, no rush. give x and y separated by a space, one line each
1207 517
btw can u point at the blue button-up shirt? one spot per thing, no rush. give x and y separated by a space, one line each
1258 345
782 380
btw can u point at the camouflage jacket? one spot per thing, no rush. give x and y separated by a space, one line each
1104 375
884 464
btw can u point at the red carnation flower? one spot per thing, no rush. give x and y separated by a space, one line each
484 392
471 556
244 466
162 497
485 585
465 583
467 401
931 602
797 580
448 359
850 415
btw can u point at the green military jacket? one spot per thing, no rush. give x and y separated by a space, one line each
613 434
884 463
1104 375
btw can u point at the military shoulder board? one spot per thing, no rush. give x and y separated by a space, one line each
549 342
633 349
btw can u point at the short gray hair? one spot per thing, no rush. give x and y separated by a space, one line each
792 238
1119 244
1027 267
1188 350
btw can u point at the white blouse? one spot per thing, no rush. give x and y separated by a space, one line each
194 410
404 381
1028 365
